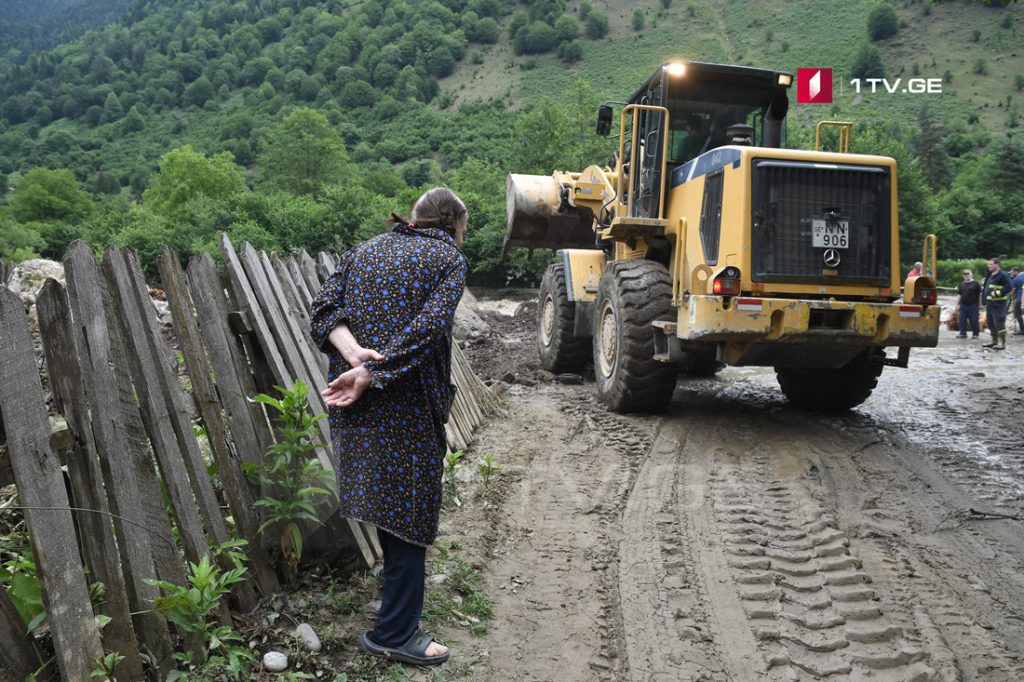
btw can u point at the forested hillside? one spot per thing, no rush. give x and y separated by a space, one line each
27 26
188 117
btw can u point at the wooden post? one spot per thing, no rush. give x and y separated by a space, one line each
295 319
236 490
37 474
300 281
297 305
100 550
143 529
325 266
232 372
308 267
162 409
18 658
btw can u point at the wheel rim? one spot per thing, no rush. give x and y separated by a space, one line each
607 347
547 320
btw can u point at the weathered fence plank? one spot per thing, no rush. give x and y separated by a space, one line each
281 335
37 474
325 266
232 372
18 658
296 324
131 484
236 489
299 280
296 301
163 413
308 268
101 553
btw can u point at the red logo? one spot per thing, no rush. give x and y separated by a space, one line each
814 86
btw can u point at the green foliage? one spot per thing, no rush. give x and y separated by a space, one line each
217 651
452 464
104 667
291 470
638 19
597 25
868 63
883 22
187 176
19 577
305 154
50 195
487 470
980 67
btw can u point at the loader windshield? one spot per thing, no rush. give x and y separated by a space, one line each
711 98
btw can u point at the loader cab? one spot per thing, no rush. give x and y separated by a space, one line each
709 106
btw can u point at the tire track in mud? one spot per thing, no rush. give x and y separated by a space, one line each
776 581
557 605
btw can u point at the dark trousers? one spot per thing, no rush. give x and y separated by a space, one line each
1018 314
969 317
995 318
402 604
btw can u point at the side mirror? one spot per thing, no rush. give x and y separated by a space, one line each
604 120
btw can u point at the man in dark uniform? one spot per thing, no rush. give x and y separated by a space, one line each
995 296
967 296
1018 313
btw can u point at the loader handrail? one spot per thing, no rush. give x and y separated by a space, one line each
634 162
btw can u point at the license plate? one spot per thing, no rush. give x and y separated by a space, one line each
830 234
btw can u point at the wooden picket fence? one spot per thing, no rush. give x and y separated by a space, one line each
130 438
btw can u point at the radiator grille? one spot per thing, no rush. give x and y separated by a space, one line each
789 196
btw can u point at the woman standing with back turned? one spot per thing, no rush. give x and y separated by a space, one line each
385 319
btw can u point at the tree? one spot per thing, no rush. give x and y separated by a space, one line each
358 94
638 20
570 52
112 109
546 10
186 176
305 154
597 25
868 63
198 92
50 195
929 149
567 27
537 38
883 22
484 31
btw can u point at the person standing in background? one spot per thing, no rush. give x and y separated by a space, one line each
994 296
1017 282
968 297
916 271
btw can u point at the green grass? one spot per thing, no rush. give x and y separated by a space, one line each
813 33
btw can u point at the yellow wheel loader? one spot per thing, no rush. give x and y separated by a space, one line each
704 242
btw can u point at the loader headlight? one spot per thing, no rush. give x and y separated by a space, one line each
785 79
675 69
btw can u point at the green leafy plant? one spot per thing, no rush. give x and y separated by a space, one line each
452 463
291 470
18 575
487 471
215 651
104 667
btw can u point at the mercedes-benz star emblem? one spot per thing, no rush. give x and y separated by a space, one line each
831 257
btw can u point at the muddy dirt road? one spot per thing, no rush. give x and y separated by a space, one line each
735 538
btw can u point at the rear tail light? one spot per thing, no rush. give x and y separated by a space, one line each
727 283
926 295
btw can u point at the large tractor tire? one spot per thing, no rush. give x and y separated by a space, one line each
832 389
631 296
560 350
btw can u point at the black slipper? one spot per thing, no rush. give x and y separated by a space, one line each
414 651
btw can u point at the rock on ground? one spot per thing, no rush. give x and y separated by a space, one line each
28 278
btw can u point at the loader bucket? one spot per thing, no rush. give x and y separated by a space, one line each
537 218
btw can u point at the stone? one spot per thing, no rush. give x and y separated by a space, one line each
569 379
308 637
439 579
508 378
372 607
275 661
29 276
468 323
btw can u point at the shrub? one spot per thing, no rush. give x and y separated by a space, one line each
883 22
